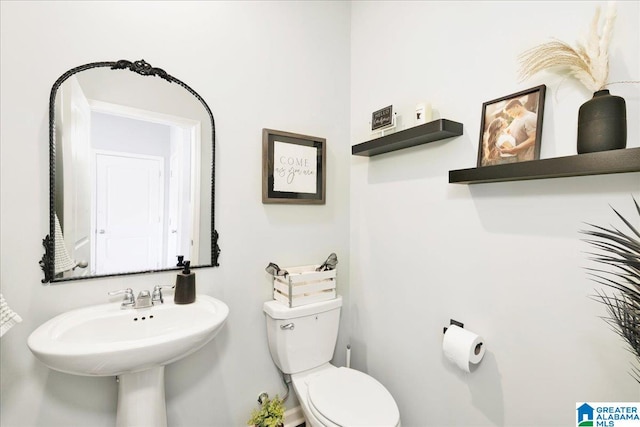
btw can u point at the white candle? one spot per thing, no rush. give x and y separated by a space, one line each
423 113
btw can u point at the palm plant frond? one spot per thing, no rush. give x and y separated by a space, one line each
587 62
619 252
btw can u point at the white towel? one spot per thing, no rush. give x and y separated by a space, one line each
8 318
63 261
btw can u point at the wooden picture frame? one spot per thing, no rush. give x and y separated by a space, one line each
511 128
293 168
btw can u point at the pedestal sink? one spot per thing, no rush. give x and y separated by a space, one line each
132 344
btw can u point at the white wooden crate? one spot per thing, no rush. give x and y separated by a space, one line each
304 285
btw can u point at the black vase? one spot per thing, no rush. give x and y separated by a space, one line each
602 123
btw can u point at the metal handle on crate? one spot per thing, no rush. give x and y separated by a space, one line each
290 326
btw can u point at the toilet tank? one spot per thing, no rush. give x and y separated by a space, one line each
304 337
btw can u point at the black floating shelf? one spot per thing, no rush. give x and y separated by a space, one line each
422 134
603 162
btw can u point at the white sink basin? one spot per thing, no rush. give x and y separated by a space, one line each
134 344
105 340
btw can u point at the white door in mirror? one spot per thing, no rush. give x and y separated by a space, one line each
129 212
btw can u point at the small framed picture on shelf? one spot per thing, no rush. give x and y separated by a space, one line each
382 119
293 168
511 128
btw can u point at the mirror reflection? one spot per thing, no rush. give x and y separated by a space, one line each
133 161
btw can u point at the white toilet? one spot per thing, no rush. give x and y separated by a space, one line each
301 341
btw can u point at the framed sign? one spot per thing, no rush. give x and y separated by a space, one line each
382 118
293 168
511 128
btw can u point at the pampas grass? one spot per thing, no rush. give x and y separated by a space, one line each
587 62
620 253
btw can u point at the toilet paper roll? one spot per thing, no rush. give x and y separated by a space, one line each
462 347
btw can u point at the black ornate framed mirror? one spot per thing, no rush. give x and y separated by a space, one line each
132 173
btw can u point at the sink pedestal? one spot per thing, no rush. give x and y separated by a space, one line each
141 399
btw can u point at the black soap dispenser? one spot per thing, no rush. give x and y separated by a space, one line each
185 292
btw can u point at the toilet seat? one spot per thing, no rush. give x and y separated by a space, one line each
346 397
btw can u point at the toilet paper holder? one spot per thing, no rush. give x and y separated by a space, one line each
453 322
461 325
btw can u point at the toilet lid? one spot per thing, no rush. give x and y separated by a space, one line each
347 397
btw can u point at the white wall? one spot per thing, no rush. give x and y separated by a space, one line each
278 65
506 259
422 250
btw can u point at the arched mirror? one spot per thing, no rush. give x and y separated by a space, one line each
132 160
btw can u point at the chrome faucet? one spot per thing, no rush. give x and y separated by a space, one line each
144 299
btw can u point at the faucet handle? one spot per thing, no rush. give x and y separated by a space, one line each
157 297
128 300
126 292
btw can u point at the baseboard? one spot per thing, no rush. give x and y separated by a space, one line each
294 417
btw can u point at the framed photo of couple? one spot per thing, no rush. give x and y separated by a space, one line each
511 128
